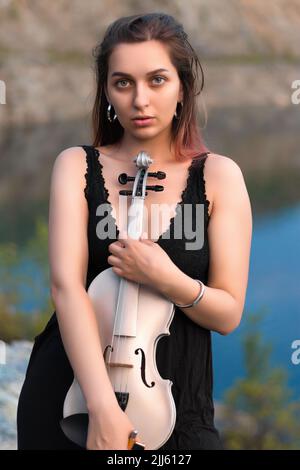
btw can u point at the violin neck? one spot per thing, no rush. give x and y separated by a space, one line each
136 218
125 325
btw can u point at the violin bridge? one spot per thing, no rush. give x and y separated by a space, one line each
119 364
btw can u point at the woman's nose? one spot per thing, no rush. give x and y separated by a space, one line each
141 97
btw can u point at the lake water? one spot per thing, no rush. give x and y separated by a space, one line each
274 286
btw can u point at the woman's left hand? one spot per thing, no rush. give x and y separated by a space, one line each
142 261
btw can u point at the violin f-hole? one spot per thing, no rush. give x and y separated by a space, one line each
143 367
105 351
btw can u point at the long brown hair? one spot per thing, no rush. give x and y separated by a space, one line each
186 134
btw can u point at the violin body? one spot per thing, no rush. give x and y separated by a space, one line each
147 398
131 319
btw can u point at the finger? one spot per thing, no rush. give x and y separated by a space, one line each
116 247
114 261
117 271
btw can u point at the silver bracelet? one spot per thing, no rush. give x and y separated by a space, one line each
198 298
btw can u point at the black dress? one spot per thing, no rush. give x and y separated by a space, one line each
185 356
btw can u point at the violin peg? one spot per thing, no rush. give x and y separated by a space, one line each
157 187
158 174
124 178
125 192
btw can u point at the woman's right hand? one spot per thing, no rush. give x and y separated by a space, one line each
108 429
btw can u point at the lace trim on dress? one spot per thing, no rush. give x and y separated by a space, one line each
207 202
87 173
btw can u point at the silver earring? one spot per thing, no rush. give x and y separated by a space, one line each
175 114
108 114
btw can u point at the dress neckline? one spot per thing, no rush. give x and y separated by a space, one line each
178 204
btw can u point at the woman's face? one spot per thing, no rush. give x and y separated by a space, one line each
137 90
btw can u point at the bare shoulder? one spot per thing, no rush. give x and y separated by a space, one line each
221 166
223 174
71 165
71 156
69 172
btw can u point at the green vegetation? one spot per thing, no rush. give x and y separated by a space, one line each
19 226
14 323
19 325
258 412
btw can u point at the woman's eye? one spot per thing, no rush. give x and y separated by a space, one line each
120 81
161 78
126 81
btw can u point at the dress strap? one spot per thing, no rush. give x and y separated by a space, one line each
91 176
196 191
202 185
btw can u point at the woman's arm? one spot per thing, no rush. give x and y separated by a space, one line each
229 233
68 259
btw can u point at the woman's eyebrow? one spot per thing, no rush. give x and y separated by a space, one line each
114 74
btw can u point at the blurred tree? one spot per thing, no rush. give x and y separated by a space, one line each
258 413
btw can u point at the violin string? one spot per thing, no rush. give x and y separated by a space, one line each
117 338
120 318
126 372
121 341
130 359
112 347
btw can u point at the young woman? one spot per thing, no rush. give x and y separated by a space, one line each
145 66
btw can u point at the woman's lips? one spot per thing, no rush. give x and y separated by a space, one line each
143 122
